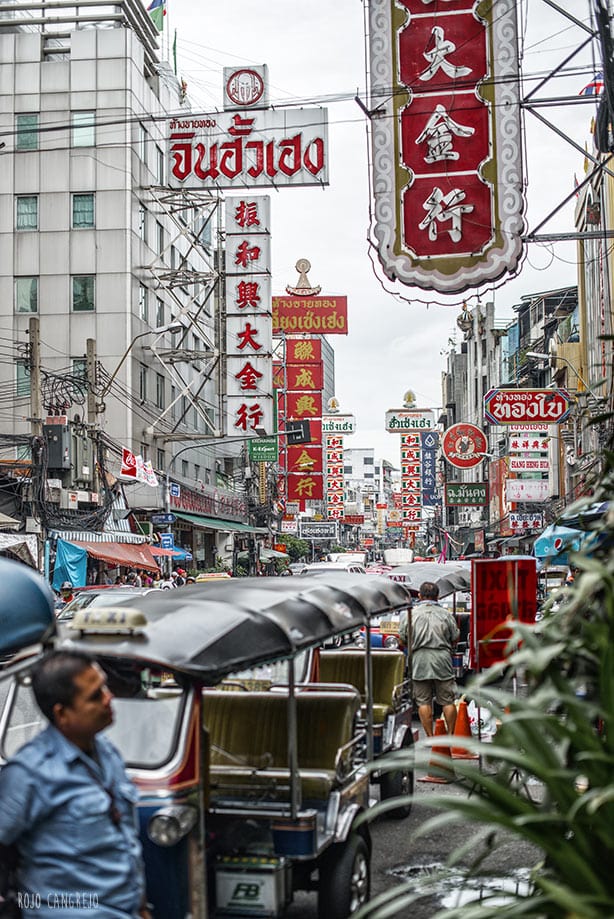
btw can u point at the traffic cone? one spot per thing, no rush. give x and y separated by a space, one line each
438 773
462 729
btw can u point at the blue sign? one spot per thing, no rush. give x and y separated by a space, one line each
174 490
167 541
430 498
160 519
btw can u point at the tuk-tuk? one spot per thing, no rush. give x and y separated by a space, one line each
249 788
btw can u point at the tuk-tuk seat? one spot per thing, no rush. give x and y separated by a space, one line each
248 740
348 666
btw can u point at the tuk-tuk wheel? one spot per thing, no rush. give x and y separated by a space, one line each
344 878
398 784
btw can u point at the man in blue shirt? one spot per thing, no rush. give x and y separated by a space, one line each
68 805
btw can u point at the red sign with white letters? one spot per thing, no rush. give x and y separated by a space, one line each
537 406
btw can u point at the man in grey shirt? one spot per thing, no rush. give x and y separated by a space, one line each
434 634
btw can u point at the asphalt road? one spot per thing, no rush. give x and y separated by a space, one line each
399 856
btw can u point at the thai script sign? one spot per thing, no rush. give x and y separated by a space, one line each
320 315
535 406
338 424
324 529
534 521
400 420
447 156
249 149
466 494
527 489
464 445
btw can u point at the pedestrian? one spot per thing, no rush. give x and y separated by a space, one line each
433 636
66 593
179 577
67 805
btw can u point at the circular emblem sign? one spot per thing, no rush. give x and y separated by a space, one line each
245 87
464 445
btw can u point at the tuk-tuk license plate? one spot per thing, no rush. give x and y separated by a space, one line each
251 886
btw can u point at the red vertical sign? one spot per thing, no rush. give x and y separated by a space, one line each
503 589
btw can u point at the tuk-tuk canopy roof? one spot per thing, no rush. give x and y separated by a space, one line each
448 576
210 630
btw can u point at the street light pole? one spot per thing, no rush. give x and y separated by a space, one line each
546 357
160 330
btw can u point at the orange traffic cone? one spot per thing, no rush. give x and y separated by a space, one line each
438 773
462 729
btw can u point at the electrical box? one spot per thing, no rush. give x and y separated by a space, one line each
83 456
58 446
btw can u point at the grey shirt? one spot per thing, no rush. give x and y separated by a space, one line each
434 634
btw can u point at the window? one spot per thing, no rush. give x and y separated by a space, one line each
26 295
144 451
83 211
143 303
83 132
174 403
184 468
173 257
143 222
27 132
368 460
83 293
26 217
79 372
196 471
159 391
184 407
195 418
160 164
159 313
143 143
23 380
142 382
160 459
347 470
160 237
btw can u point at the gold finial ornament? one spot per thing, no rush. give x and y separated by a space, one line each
409 399
303 287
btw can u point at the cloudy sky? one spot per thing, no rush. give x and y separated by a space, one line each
398 336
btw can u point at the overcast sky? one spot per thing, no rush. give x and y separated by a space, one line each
315 54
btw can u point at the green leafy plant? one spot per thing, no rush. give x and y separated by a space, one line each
548 775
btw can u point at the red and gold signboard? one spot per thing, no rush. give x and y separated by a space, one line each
304 406
502 590
306 458
303 350
447 161
319 315
303 487
305 376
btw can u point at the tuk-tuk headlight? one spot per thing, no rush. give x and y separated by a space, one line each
170 824
391 641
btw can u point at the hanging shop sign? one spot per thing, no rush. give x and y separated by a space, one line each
527 464
245 87
324 529
249 149
400 420
527 489
464 445
528 443
535 406
263 449
315 315
466 494
306 377
249 339
303 350
526 522
447 158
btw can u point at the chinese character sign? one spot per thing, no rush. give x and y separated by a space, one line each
249 334
447 158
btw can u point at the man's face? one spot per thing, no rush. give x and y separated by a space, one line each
66 592
90 710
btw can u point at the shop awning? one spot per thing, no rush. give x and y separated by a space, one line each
177 554
120 553
213 523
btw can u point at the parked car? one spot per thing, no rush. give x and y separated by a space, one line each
318 567
100 596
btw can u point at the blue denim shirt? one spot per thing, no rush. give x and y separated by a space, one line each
74 860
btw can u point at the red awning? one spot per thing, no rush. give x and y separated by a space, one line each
164 552
126 554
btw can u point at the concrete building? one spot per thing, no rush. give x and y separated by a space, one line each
109 281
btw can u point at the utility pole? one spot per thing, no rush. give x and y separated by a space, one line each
90 371
36 422
36 410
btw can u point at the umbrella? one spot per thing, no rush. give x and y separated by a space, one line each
557 541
